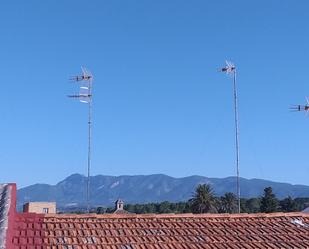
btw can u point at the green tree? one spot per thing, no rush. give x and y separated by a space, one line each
301 203
101 210
288 205
203 200
228 203
252 205
164 207
269 202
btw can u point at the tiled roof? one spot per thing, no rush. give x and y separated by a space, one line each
131 231
168 231
121 211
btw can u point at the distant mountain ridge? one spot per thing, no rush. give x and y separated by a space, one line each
146 188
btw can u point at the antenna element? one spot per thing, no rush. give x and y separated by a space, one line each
300 108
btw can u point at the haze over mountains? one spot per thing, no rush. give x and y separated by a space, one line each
146 188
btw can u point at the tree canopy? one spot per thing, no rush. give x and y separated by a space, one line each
269 202
203 200
228 203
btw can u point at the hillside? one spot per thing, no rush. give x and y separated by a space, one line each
146 188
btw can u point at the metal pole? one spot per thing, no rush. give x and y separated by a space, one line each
89 144
236 138
85 96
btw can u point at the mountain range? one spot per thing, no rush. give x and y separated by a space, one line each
104 190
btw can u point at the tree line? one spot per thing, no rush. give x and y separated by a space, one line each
205 201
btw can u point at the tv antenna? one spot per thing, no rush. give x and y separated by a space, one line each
85 96
300 108
231 69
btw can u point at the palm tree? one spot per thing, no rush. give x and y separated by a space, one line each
228 203
203 200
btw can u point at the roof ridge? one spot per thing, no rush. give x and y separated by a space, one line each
173 215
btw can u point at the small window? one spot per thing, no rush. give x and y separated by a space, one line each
45 210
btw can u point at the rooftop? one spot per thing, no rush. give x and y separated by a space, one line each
167 231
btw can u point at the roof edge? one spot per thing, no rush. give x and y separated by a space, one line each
11 217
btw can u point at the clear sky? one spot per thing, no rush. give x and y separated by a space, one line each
160 104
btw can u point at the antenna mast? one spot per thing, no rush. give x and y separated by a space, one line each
85 96
231 69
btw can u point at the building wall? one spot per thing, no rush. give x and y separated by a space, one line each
40 207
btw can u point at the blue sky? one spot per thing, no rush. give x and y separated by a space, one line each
160 105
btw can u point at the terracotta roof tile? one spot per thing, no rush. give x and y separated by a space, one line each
206 231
